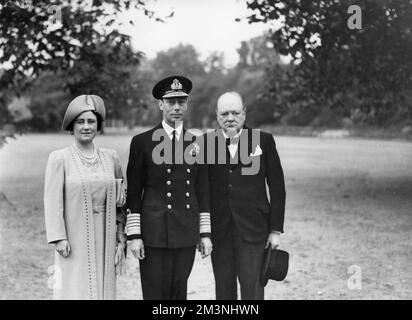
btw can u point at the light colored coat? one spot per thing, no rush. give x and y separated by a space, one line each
69 215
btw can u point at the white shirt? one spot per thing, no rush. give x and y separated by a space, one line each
169 130
233 146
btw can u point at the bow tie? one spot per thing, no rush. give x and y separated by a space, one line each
232 141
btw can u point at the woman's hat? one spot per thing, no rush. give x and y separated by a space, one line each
274 266
82 104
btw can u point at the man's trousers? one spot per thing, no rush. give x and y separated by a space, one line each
164 273
234 258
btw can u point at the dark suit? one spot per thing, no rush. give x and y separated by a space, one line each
242 215
169 198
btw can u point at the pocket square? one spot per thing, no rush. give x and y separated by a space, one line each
258 152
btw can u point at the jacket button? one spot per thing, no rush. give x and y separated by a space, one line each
188 170
169 170
230 185
169 194
187 182
169 182
230 171
187 194
169 206
188 206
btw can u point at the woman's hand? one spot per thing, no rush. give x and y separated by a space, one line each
120 259
63 248
121 237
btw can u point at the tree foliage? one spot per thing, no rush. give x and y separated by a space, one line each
182 59
258 53
80 39
211 78
363 74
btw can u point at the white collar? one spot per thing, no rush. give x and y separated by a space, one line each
169 129
235 136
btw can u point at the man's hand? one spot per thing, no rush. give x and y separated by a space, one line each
205 246
273 240
63 248
137 248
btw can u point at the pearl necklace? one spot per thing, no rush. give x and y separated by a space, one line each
89 161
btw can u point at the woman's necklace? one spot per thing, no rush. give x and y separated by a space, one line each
90 161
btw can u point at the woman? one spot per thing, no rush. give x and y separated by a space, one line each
83 211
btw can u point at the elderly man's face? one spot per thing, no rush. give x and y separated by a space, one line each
230 113
173 110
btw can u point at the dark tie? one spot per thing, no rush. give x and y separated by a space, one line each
173 145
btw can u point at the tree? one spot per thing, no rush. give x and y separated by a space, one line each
107 71
48 101
258 53
215 62
38 36
182 59
340 70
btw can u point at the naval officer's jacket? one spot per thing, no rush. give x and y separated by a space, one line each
168 204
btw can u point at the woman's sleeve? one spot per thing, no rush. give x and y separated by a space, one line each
53 199
118 173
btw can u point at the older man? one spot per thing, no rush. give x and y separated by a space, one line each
244 221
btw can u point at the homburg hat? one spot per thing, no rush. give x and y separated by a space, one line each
274 266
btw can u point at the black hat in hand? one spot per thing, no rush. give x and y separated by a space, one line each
274 266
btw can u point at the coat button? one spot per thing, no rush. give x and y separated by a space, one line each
230 185
188 206
188 170
168 194
169 170
230 171
187 194
169 206
187 182
169 182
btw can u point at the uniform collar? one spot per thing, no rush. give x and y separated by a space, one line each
169 129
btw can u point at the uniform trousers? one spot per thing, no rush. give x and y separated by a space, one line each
234 258
164 272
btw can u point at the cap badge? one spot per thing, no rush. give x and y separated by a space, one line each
176 85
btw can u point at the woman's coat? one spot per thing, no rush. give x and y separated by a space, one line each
69 215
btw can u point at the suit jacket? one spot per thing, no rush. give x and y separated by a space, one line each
169 197
243 197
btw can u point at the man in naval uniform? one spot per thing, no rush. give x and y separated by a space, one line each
167 197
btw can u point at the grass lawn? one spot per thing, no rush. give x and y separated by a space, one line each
349 203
